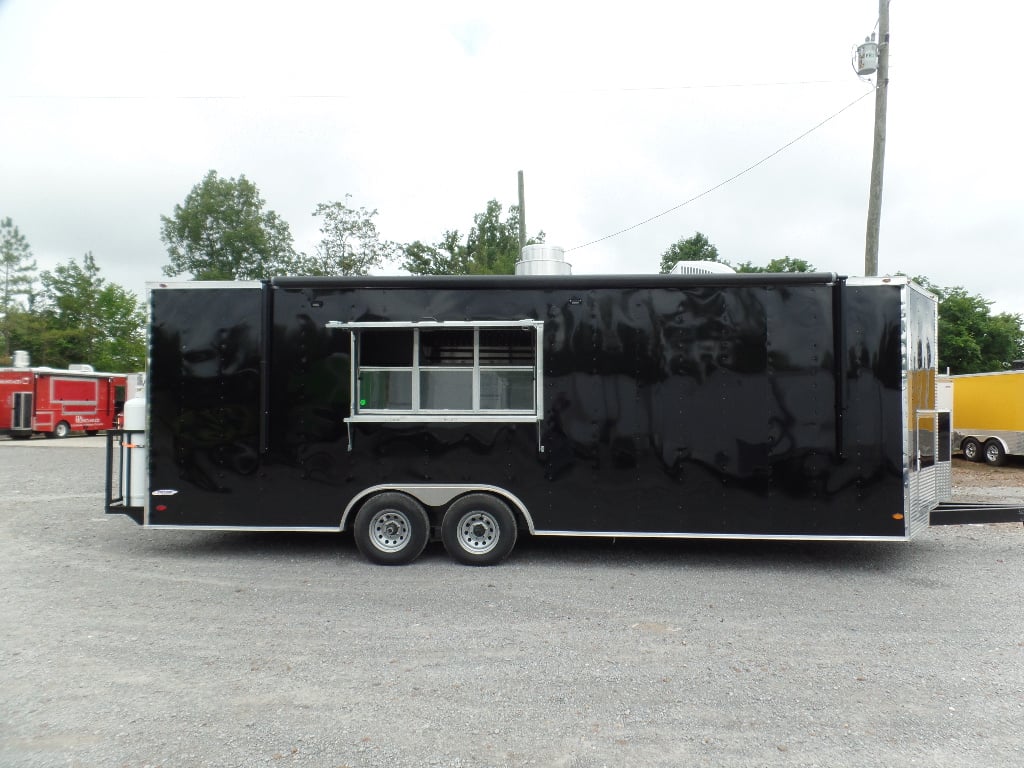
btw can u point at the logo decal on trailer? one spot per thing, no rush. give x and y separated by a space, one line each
165 492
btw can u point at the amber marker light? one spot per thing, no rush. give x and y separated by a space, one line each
898 516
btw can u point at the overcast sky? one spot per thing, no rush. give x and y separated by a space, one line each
111 110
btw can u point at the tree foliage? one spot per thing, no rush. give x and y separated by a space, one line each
493 244
699 248
447 257
17 266
491 248
17 273
350 243
222 232
77 317
785 264
91 320
971 338
694 248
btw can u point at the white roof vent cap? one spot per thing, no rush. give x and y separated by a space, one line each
701 268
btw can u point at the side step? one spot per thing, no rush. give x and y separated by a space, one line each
959 513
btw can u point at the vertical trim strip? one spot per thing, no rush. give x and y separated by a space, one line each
839 342
266 327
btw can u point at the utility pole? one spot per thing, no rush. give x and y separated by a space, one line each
878 153
522 213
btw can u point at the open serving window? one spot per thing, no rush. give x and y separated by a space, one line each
431 371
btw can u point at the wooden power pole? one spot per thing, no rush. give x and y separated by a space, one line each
878 153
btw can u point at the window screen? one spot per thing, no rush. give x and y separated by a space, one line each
418 371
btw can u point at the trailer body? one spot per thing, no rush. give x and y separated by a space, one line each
56 402
720 406
988 415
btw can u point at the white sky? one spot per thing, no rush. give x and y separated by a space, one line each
111 110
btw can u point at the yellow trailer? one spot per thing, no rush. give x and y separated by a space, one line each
988 415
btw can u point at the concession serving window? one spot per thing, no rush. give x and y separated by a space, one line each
446 371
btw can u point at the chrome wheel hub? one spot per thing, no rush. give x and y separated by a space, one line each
390 530
478 532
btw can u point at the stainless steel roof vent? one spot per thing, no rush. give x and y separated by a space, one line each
543 259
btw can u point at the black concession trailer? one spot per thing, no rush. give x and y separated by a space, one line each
478 409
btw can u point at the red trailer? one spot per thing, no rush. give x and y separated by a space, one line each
56 402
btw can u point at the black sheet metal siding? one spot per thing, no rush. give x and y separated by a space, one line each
767 406
204 401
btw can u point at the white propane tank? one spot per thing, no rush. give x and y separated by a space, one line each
134 458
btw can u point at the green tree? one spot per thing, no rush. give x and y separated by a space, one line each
17 276
491 248
350 244
29 331
493 245
222 232
971 338
447 257
785 264
695 248
88 319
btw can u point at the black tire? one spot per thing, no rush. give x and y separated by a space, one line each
62 430
971 449
479 529
995 454
391 529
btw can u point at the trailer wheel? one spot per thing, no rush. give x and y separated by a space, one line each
971 449
478 529
391 529
62 430
995 454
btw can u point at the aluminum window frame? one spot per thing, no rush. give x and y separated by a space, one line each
417 413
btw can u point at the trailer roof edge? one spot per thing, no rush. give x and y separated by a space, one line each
554 281
180 285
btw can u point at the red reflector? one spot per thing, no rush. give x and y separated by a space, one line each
161 507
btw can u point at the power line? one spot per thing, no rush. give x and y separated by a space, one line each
730 179
713 86
391 93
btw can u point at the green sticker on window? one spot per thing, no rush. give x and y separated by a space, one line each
362 403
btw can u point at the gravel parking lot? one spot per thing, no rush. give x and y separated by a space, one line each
128 647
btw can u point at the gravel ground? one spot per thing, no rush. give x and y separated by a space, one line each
128 647
982 483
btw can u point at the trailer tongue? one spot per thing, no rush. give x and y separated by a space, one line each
965 513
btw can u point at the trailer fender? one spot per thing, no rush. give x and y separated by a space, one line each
439 495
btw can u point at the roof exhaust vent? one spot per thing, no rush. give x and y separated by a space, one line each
541 259
701 268
21 359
